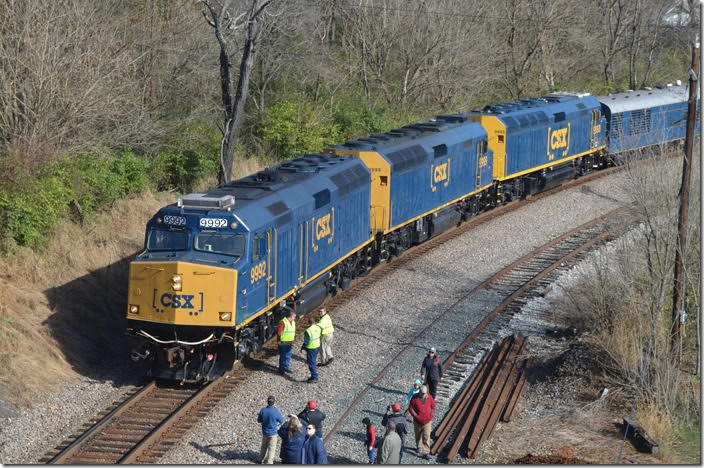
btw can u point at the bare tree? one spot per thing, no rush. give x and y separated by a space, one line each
614 16
223 22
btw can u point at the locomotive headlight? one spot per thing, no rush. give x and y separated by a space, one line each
176 282
224 316
134 309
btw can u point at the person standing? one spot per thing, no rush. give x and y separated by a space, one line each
370 439
311 414
431 371
394 417
415 389
326 332
292 436
390 451
311 344
286 333
313 450
269 417
422 410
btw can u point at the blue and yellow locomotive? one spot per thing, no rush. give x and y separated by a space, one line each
220 269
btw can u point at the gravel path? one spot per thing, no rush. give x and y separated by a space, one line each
369 330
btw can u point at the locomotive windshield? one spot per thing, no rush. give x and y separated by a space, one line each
220 243
167 240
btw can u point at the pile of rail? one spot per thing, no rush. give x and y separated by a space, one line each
491 393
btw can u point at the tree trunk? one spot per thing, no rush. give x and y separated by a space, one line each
229 141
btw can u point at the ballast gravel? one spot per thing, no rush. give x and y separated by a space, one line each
370 329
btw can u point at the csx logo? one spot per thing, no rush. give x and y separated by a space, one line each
322 227
558 138
177 301
440 173
257 272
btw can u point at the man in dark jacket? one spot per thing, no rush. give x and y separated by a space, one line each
269 417
431 371
394 417
314 416
313 451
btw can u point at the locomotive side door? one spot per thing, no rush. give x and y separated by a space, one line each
271 240
593 130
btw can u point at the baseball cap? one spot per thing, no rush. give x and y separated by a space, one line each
271 400
311 404
432 350
417 382
396 407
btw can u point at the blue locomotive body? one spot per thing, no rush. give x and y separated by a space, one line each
421 169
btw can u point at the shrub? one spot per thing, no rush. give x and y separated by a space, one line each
292 128
184 160
29 215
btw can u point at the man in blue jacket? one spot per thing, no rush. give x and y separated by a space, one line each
270 418
313 451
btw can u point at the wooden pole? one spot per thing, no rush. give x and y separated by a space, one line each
678 295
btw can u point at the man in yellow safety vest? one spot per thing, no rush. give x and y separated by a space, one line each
327 330
286 332
311 343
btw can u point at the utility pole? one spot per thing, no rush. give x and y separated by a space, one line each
678 295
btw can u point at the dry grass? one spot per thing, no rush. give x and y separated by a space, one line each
625 306
59 306
62 310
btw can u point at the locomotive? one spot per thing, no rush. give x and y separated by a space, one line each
220 269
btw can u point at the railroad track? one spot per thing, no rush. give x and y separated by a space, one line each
511 287
141 428
144 426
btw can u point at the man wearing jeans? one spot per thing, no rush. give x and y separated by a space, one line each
285 333
270 418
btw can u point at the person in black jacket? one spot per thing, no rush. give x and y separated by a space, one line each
314 416
394 417
431 371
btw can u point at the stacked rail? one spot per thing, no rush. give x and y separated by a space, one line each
491 393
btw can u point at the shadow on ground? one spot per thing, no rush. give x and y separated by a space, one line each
89 324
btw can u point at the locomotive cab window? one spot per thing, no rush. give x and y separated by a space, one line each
559 116
383 180
167 240
258 247
220 243
501 138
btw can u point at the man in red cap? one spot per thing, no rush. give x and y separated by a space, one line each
394 417
313 416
